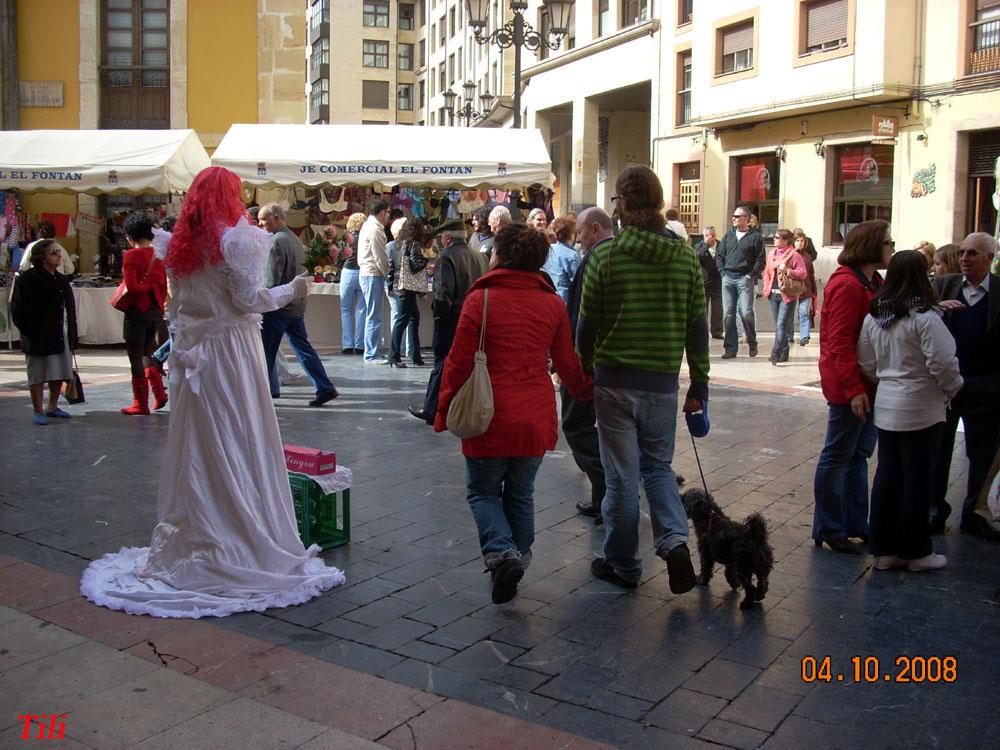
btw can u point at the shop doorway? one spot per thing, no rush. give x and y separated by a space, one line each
984 151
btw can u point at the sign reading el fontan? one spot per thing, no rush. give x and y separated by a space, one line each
885 126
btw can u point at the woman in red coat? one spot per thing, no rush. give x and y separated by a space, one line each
841 483
146 287
526 324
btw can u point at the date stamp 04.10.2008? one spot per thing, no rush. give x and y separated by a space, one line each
872 669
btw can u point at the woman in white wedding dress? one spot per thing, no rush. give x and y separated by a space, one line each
226 540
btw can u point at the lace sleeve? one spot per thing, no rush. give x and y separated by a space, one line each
161 242
244 251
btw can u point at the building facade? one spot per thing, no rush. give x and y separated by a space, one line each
136 64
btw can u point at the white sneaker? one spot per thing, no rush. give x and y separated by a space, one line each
930 562
887 562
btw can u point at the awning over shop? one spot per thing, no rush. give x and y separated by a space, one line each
100 161
389 155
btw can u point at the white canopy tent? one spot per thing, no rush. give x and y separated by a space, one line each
387 155
100 161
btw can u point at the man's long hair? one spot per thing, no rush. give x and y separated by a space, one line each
212 206
640 199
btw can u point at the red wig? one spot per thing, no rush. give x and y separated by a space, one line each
212 206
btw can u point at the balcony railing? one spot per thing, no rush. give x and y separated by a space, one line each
985 55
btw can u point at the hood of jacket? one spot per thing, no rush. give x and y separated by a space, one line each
647 246
512 279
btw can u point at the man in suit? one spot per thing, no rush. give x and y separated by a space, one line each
455 270
971 300
579 420
713 281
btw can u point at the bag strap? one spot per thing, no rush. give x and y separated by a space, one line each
482 328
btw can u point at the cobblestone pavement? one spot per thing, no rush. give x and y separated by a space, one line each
629 669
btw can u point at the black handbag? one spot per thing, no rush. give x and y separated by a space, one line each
72 390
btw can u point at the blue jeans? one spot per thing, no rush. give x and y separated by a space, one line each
406 320
275 326
805 307
841 484
636 431
352 310
782 326
737 293
501 494
373 289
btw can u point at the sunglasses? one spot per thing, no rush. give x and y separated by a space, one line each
740 216
966 252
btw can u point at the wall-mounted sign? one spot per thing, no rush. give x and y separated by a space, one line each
885 126
40 93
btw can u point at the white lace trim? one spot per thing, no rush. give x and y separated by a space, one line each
244 253
111 582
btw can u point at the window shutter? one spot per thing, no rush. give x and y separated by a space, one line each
986 4
375 94
984 150
737 38
826 21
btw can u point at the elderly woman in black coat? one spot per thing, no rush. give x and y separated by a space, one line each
42 307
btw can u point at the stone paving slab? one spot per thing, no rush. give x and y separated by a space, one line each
639 669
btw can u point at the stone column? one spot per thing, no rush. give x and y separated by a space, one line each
178 64
281 61
583 191
87 245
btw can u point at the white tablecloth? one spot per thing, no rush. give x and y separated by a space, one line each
97 322
323 318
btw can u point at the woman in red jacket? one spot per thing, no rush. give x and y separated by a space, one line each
146 289
841 484
526 324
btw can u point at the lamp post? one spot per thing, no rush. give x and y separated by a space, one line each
519 33
466 111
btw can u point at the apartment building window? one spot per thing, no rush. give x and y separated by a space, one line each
689 195
320 53
736 48
985 54
984 150
376 13
319 13
319 95
422 88
603 17
451 22
634 11
544 24
423 53
443 37
459 64
684 88
451 68
405 56
406 17
442 78
404 96
433 36
432 84
433 114
757 184
135 64
375 94
375 54
863 177
441 117
685 11
826 25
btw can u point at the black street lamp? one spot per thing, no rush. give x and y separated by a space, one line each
518 33
467 112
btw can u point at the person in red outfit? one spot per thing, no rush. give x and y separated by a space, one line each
526 324
146 289
841 483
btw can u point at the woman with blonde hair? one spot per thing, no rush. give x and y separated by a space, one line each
926 249
352 308
945 260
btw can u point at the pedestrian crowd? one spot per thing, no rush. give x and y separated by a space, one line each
605 307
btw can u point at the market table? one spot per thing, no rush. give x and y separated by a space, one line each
323 318
97 322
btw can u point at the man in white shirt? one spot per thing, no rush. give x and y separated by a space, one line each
373 265
972 303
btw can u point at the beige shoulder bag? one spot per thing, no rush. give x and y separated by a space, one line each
471 410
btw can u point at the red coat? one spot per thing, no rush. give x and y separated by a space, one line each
526 323
144 283
845 304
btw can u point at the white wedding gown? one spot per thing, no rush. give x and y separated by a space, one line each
227 539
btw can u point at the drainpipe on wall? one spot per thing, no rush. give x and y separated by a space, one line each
8 63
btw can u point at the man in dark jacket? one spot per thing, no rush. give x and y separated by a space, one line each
707 250
972 301
739 259
455 270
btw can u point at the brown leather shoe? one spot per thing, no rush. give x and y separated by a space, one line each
729 355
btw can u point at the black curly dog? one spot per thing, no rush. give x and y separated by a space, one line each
741 547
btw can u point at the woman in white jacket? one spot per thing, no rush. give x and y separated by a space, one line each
905 347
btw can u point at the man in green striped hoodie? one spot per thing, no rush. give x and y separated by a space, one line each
643 307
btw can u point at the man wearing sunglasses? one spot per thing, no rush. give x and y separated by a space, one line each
971 300
740 260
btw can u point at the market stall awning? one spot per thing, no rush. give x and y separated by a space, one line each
100 161
389 155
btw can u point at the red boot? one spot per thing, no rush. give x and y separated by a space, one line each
140 397
156 384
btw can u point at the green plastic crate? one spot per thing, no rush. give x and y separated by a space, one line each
323 519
